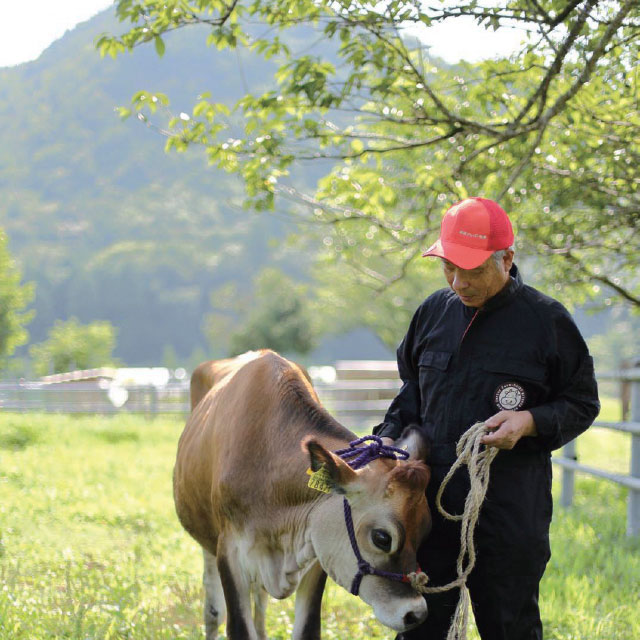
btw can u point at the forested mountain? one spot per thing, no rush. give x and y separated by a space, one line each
105 223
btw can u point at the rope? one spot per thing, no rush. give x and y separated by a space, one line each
478 462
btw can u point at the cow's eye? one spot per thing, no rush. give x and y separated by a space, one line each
381 539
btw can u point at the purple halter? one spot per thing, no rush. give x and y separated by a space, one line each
373 451
357 457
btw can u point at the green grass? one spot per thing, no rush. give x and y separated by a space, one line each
610 409
90 547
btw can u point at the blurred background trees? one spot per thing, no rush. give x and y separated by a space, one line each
279 317
274 313
15 297
71 346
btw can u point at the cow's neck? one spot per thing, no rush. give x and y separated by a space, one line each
279 557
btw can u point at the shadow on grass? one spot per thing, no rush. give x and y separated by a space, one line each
17 437
116 437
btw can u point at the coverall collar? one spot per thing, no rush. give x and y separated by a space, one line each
506 294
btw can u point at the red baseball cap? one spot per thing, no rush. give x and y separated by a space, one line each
471 231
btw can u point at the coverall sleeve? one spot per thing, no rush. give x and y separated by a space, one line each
405 407
574 404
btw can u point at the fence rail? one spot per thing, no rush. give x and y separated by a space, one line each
94 397
358 398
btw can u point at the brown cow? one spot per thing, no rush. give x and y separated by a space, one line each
240 488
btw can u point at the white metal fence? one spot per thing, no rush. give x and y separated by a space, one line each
569 458
358 397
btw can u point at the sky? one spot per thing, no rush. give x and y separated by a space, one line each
23 37
28 27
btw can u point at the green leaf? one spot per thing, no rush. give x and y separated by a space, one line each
357 146
159 44
123 112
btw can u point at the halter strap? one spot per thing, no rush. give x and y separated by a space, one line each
362 456
364 568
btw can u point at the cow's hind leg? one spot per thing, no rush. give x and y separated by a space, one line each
308 604
259 610
214 605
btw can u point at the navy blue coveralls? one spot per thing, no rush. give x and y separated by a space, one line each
460 365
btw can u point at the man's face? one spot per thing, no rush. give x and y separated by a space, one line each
475 286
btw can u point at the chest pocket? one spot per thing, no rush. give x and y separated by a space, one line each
515 384
434 373
435 360
524 369
436 385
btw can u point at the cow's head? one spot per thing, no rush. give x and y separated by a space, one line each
390 519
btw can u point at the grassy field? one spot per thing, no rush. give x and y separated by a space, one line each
90 547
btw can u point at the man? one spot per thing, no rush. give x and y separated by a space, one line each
492 349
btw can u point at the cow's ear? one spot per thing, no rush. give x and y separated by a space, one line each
415 442
339 472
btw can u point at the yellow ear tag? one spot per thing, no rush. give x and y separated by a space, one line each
320 480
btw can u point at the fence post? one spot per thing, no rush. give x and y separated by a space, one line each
153 402
568 475
633 507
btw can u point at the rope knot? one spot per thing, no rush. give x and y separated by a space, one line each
418 580
365 568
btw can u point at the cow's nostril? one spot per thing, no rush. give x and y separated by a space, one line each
410 619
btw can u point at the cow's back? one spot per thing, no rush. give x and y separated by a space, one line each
240 449
207 374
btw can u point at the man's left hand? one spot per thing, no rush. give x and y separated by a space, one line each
509 427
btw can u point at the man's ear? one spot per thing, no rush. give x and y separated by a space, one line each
339 471
508 259
415 442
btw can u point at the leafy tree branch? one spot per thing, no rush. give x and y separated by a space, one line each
551 131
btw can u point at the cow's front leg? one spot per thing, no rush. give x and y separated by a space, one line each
236 587
259 610
309 604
